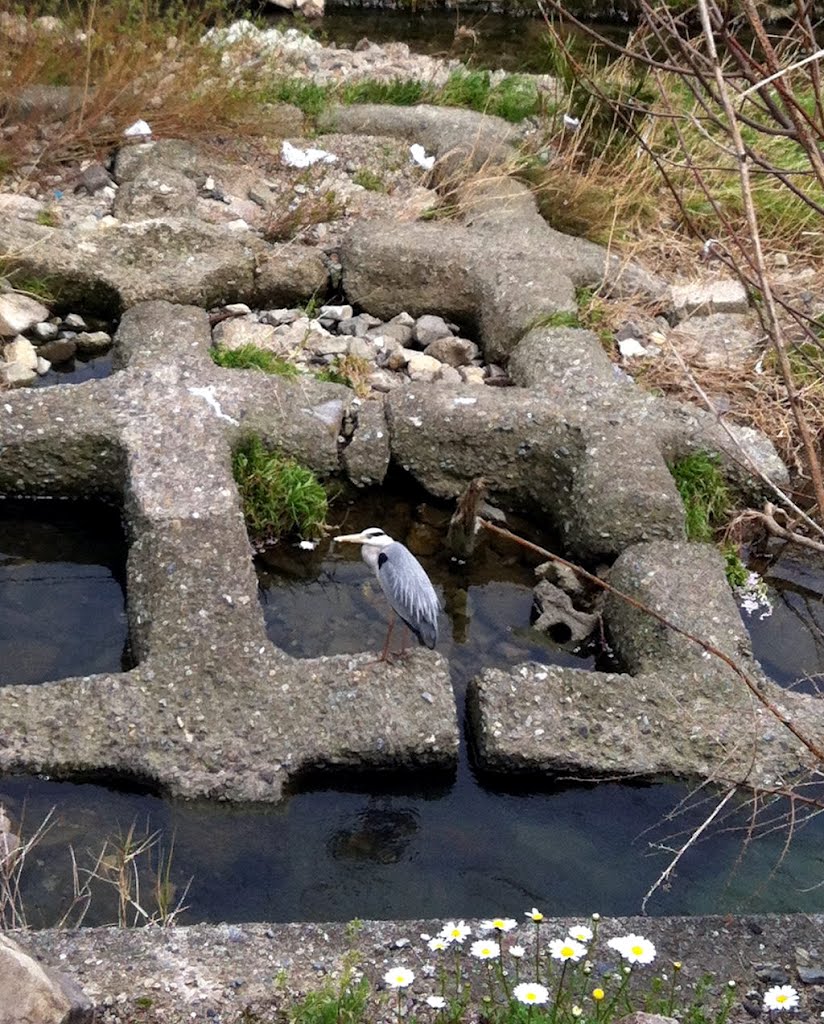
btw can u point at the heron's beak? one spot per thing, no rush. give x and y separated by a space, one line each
351 538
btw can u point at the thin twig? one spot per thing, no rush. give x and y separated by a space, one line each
696 835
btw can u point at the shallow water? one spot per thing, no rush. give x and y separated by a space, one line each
75 371
458 844
62 590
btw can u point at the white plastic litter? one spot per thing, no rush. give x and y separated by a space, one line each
294 157
572 123
631 348
418 154
308 545
139 128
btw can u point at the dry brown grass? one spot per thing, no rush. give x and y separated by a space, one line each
128 60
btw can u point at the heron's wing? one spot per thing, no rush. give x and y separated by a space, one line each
409 591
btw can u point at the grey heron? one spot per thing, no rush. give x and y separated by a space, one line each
404 581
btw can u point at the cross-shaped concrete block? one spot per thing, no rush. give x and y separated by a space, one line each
212 708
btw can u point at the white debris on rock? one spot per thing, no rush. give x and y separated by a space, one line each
419 155
140 129
294 157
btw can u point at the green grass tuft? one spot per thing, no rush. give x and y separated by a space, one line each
369 180
397 93
561 318
279 495
736 572
705 494
250 357
341 1002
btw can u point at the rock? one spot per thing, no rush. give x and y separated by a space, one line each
366 457
75 322
420 366
453 351
362 348
383 381
396 359
562 576
15 375
719 340
12 204
278 317
496 376
400 332
237 309
45 331
358 325
449 375
430 328
21 351
31 994
43 366
160 192
725 295
335 313
558 617
237 332
93 343
472 375
289 273
321 343
772 974
93 178
58 351
811 975
19 313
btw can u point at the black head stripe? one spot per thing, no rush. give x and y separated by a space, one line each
382 558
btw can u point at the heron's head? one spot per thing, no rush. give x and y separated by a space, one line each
372 536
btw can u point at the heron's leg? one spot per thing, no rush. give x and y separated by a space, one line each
385 653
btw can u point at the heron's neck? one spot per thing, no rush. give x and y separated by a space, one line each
370 555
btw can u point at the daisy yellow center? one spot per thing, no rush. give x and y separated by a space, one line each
530 997
567 951
498 922
637 950
781 999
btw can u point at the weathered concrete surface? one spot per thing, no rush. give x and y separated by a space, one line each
461 140
677 711
179 259
213 709
167 975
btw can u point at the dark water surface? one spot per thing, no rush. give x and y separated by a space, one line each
62 590
370 847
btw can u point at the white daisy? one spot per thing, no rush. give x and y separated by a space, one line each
634 948
535 915
485 950
498 924
517 951
566 949
781 997
436 1002
399 977
453 932
438 944
530 994
581 933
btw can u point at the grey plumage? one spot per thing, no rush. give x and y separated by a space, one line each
403 580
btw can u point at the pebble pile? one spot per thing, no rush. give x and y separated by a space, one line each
32 340
375 356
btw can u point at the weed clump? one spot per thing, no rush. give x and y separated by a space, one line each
705 494
279 496
250 357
